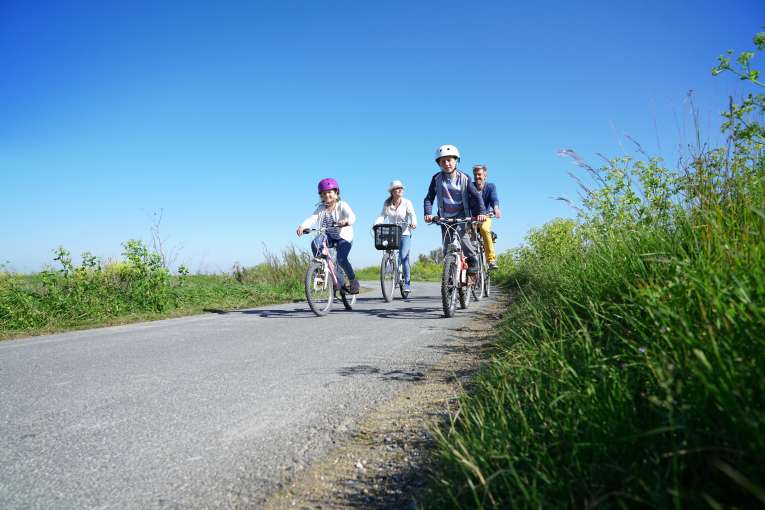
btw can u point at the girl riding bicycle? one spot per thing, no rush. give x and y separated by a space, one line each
398 210
336 217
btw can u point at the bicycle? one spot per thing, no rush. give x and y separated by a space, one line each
454 281
483 280
321 279
388 238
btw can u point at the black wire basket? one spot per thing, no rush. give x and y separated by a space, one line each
387 237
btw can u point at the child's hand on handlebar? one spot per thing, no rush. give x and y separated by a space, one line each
428 218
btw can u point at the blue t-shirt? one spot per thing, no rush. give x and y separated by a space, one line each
489 194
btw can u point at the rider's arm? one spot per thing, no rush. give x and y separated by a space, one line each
346 213
312 218
381 218
428 203
411 213
493 200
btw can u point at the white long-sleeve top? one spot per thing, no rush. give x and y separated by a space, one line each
343 211
403 214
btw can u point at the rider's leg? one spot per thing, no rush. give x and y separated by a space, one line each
444 240
403 257
488 242
316 245
468 249
343 249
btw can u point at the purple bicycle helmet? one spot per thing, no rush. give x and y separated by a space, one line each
328 184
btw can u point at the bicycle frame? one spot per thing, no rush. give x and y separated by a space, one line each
327 259
454 281
390 259
323 262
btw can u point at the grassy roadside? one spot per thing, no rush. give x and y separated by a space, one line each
629 370
423 270
134 289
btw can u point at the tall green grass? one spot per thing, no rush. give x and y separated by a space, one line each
137 287
630 370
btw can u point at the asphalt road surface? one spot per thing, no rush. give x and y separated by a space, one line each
209 411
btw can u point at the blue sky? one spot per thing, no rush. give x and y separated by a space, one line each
224 116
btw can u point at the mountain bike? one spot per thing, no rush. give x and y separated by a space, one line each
322 280
455 282
388 238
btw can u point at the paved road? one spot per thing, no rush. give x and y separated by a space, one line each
210 411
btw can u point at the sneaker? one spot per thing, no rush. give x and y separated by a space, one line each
493 264
407 288
354 287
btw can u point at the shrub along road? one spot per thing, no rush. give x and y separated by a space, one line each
212 411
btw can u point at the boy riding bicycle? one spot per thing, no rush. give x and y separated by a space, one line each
456 197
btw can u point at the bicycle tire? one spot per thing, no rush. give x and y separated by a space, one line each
319 288
477 289
388 268
348 299
487 282
449 284
464 295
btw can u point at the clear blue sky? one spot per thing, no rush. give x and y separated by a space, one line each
225 115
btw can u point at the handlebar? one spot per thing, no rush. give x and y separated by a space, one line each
452 221
320 229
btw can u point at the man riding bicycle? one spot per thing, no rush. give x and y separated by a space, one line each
456 197
491 202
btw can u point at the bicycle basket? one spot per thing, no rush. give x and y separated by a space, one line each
387 237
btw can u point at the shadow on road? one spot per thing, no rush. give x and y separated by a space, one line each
410 312
391 375
293 313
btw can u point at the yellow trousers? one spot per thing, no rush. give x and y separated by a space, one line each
488 243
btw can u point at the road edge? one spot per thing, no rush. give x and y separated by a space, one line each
384 464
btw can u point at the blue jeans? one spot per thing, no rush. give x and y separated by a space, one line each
343 248
403 257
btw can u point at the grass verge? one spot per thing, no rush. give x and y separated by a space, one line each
136 288
629 370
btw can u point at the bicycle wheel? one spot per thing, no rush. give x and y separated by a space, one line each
449 284
348 299
487 282
480 278
388 270
464 294
319 288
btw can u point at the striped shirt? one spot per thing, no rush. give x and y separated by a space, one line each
452 194
332 232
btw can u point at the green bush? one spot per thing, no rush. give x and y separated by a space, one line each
139 286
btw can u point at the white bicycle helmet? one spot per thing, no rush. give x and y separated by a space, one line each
447 150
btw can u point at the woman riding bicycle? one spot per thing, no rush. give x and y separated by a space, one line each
336 217
398 210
